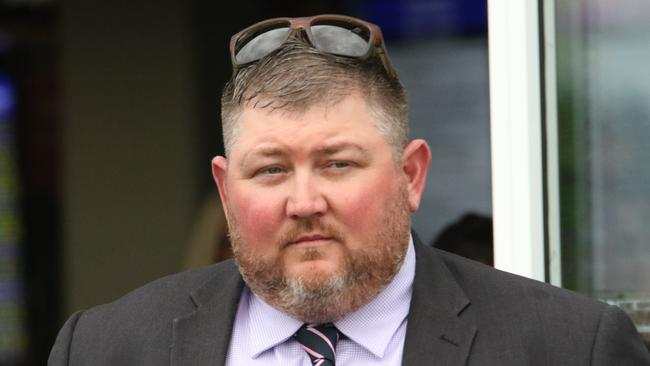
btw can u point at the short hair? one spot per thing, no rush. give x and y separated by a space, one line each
296 77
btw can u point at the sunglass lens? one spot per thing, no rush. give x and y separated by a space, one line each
342 40
260 44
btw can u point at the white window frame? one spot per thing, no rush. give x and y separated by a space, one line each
517 140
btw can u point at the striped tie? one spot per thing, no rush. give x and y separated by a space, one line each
319 341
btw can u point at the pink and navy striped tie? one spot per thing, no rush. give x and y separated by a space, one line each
319 341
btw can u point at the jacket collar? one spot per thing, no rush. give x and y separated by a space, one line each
201 338
435 330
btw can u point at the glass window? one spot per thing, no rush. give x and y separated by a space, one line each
439 49
603 87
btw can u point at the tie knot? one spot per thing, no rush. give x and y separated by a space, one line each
319 341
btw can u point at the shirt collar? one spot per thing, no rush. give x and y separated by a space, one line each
372 326
268 326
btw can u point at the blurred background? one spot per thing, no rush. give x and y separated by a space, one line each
109 117
603 106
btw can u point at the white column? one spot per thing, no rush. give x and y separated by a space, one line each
516 133
552 144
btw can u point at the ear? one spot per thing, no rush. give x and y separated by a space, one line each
219 173
415 165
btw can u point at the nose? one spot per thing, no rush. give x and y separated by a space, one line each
306 199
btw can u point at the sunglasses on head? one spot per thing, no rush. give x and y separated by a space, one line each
334 34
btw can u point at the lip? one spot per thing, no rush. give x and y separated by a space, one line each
312 239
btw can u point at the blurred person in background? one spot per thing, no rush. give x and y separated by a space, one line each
318 184
470 237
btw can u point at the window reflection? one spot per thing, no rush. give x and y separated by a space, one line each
604 128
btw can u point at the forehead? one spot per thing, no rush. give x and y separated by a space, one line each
349 120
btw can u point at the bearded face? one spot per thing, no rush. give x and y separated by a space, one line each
318 206
317 295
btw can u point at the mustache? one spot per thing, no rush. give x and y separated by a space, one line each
309 226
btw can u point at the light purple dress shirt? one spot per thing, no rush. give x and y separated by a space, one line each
375 333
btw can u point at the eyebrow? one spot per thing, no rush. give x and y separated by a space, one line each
332 149
326 150
263 152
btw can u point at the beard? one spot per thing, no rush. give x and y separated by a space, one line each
324 296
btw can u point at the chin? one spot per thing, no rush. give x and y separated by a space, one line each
313 269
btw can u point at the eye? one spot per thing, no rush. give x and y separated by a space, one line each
339 164
271 170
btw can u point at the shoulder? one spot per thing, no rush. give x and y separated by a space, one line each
167 294
516 313
489 287
473 275
140 323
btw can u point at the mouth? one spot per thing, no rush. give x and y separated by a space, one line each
312 239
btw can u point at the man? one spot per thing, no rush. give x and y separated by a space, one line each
318 185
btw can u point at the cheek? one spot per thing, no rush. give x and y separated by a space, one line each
363 208
359 207
257 219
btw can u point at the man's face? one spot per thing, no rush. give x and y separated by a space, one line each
316 201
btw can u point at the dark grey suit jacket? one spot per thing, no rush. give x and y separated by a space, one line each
462 313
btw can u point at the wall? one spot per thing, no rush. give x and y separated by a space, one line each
129 179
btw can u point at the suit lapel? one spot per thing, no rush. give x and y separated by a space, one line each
201 337
435 333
